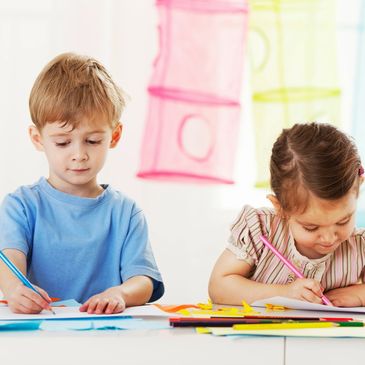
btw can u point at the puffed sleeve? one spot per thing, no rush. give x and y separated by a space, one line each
246 230
360 251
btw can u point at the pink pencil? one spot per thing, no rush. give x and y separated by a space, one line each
288 264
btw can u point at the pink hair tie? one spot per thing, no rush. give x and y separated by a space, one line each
361 171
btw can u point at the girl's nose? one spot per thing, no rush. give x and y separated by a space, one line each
328 236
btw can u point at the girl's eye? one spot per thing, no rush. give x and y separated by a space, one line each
62 144
310 229
343 223
90 141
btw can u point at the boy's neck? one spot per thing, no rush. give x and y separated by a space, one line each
90 190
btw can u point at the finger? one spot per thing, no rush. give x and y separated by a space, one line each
92 305
103 303
45 295
337 302
309 296
36 298
315 287
120 307
111 307
84 307
27 306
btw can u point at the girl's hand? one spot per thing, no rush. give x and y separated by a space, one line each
23 300
345 297
108 302
305 289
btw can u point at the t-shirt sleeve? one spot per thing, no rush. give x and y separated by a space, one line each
137 256
244 240
14 225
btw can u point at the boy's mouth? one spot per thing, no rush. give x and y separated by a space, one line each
79 171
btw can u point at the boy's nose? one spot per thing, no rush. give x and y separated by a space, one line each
79 154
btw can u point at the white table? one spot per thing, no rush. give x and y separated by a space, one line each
172 346
129 347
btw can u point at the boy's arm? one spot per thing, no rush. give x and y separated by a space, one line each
20 298
8 281
136 290
350 296
229 284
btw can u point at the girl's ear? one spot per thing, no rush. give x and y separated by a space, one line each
116 134
36 137
275 202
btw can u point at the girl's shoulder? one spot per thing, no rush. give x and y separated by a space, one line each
248 213
359 235
261 220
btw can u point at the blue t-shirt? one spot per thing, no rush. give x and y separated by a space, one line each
77 247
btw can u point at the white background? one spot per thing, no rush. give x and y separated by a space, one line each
189 224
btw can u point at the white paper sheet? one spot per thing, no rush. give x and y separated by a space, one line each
301 305
74 313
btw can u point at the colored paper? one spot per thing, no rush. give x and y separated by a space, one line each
302 305
19 325
306 332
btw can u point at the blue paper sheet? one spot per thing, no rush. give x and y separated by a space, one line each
19 325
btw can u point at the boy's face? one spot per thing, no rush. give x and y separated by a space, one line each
75 156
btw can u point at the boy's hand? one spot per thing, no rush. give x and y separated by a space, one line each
305 289
23 300
345 297
108 302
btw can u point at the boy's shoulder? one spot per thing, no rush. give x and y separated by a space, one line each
41 191
25 192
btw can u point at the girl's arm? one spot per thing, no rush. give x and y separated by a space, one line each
229 284
350 296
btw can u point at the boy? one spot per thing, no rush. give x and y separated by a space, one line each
73 237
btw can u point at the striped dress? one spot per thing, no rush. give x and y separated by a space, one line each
341 268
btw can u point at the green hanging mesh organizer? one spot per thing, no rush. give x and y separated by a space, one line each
292 48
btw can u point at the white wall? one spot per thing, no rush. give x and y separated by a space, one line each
188 223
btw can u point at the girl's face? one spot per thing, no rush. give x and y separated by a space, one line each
324 225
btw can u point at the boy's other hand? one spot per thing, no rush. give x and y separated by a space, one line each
23 300
108 302
305 289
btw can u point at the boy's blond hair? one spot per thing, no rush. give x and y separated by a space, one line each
72 86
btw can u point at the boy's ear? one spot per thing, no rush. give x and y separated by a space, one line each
36 138
275 202
116 134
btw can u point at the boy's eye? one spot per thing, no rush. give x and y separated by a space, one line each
62 144
311 229
92 141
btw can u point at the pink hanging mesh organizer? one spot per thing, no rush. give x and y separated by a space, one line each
194 108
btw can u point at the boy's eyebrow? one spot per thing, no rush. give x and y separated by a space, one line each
317 225
65 134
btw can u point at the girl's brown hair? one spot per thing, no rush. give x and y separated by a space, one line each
312 158
71 86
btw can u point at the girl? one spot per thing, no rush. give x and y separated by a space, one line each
316 174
